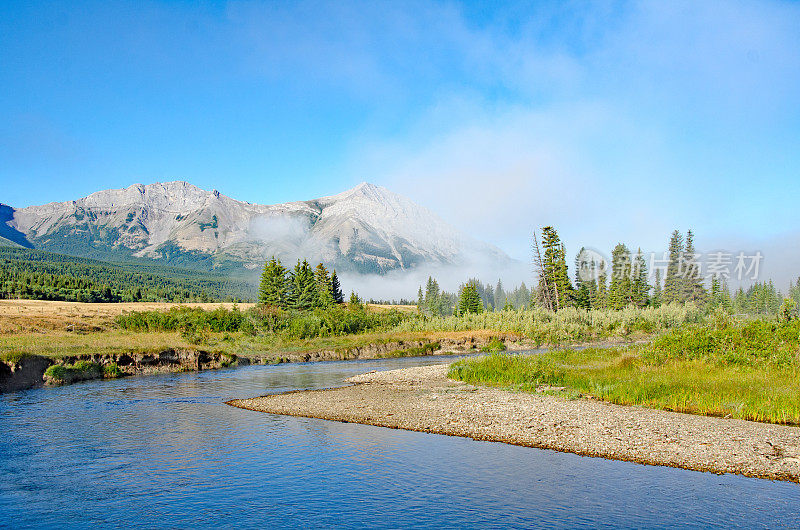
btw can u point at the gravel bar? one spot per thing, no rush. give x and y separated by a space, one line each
424 399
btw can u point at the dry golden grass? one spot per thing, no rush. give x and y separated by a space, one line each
387 307
64 344
41 316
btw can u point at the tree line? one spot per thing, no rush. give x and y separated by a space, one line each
301 288
473 296
595 285
40 275
629 282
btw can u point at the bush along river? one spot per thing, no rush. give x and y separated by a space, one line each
166 451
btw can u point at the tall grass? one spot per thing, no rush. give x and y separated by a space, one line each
330 322
747 370
566 325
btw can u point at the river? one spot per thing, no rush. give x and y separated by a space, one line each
165 451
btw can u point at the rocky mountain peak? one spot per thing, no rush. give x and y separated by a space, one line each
367 228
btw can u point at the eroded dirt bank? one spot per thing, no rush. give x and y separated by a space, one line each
29 371
423 399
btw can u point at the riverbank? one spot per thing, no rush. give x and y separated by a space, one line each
117 354
424 399
79 341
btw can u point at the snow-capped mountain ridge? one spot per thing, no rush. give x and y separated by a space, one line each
366 229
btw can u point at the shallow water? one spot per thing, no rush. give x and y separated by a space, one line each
165 451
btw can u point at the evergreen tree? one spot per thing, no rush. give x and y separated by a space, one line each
621 292
354 301
693 289
487 295
303 291
725 296
555 289
433 301
336 289
657 293
583 280
470 300
420 300
601 301
673 279
272 290
715 297
323 287
499 295
641 289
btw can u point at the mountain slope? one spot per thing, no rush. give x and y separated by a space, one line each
365 229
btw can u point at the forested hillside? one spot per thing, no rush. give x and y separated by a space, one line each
36 274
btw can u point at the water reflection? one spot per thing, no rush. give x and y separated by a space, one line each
164 451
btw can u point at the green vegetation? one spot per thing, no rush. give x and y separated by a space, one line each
39 275
555 290
13 357
112 371
65 373
302 288
740 369
415 351
263 321
469 301
495 346
568 325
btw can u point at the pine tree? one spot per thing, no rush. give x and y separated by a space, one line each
354 302
673 279
420 300
641 289
272 290
621 292
715 297
693 289
470 300
543 293
433 301
336 289
657 293
499 296
322 283
303 287
601 301
725 296
555 289
583 280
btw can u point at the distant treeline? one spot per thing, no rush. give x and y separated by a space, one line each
595 285
40 275
473 297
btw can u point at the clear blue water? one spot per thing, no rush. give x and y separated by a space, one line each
166 452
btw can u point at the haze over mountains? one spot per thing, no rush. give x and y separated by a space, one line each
367 229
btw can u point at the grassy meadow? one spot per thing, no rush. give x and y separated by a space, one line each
724 367
60 329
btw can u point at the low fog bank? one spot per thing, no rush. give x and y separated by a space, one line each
780 263
404 284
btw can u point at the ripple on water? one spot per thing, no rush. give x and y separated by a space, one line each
163 451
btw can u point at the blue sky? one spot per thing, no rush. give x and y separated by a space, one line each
613 121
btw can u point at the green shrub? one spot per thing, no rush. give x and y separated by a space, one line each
788 310
112 371
495 346
57 372
750 343
80 370
415 351
14 357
